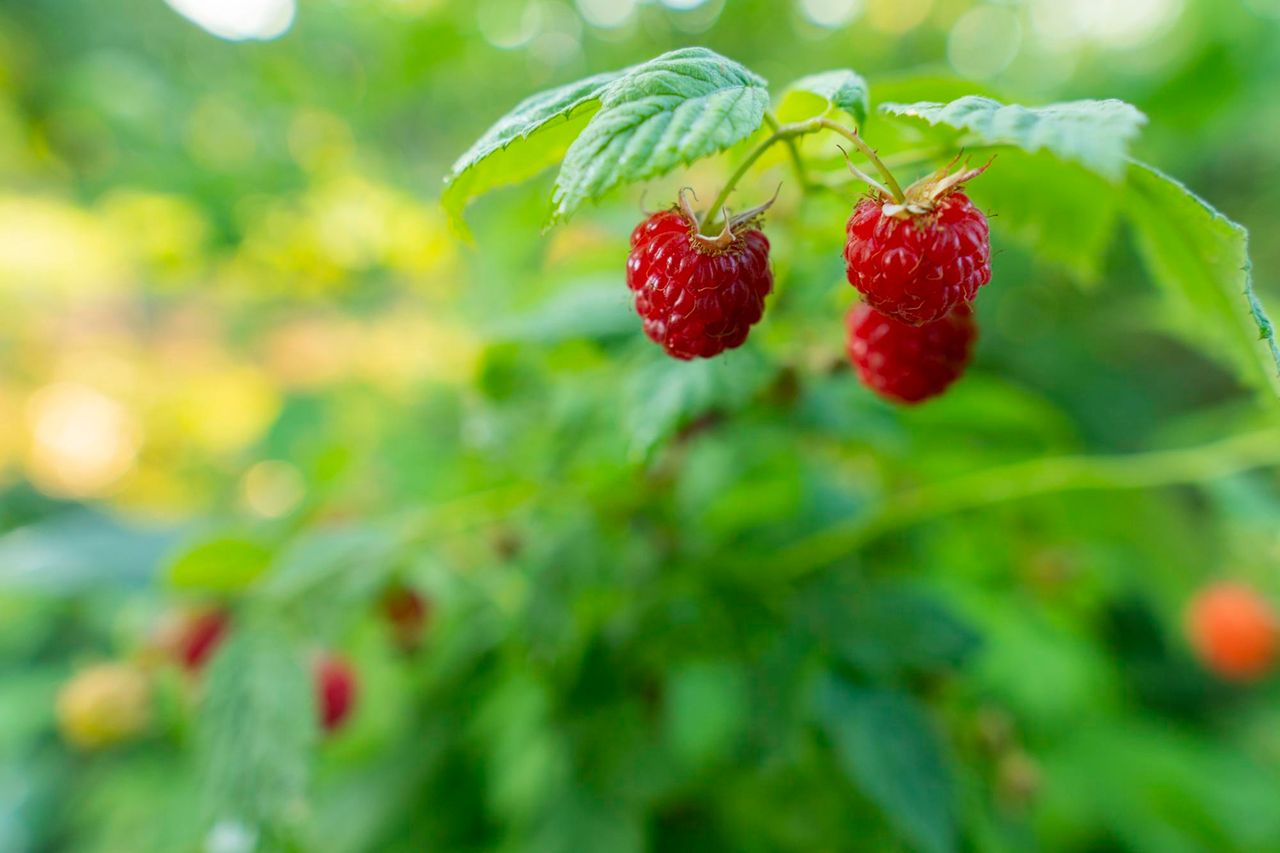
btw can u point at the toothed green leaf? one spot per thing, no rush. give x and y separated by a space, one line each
1095 133
675 109
1068 222
841 89
887 748
530 138
256 730
1202 259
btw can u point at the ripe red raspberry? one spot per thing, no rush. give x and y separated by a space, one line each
698 295
917 260
335 681
1233 630
909 363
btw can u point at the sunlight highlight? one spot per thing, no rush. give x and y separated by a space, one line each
82 441
239 20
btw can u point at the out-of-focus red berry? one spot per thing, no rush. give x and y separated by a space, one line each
336 690
203 631
407 614
187 636
1233 630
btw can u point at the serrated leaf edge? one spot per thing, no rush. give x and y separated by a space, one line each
609 100
916 110
1266 329
806 84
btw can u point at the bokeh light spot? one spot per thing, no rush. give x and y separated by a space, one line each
897 16
82 441
984 41
831 14
239 20
272 488
507 25
607 14
1114 24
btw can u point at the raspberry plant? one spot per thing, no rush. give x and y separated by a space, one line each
929 253
594 598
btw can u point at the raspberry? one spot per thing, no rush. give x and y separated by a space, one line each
200 636
406 612
1233 630
909 363
335 681
917 260
698 295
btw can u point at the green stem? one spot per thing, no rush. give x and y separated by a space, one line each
713 212
903 160
788 133
867 151
793 150
1028 479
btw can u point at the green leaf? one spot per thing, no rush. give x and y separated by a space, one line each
256 729
1094 133
590 308
706 710
888 749
82 549
329 574
818 93
1069 221
219 564
666 395
675 109
530 138
886 630
1201 258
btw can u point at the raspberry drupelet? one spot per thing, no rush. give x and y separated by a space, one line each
699 295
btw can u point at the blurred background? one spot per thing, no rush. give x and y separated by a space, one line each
261 412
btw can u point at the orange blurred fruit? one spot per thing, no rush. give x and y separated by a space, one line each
1233 631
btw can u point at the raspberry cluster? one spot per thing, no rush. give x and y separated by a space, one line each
918 257
918 264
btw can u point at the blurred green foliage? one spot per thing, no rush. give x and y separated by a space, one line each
731 605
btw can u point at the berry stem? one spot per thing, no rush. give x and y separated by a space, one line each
797 164
788 133
1018 480
783 132
867 151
